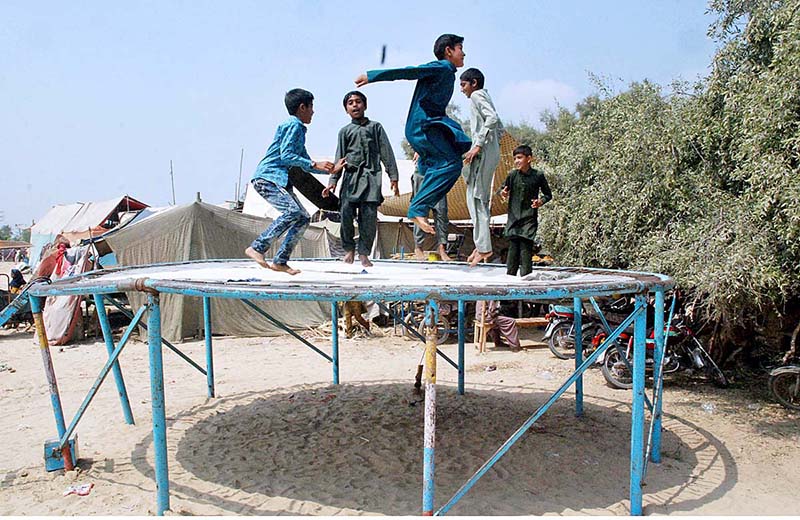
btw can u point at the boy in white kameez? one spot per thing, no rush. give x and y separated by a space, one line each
480 161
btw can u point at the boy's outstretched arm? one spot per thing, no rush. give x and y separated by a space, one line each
409 73
341 148
293 152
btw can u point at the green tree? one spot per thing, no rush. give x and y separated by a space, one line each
22 235
700 181
5 232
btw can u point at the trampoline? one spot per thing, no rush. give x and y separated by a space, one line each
329 280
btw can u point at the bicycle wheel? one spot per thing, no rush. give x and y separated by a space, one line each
442 330
785 386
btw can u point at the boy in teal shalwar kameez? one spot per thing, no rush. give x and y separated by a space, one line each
439 140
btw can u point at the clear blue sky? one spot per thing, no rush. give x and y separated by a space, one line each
97 97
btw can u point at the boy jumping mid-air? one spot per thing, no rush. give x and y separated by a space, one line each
439 141
271 181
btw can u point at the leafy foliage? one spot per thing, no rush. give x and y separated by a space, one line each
701 181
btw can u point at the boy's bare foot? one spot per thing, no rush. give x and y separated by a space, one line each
348 257
365 261
443 254
283 268
422 222
472 255
255 255
480 257
419 254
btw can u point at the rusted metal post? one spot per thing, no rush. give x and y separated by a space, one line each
430 409
37 305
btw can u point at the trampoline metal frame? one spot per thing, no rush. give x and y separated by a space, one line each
646 283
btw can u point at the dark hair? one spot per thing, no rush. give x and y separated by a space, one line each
356 93
524 149
296 97
443 42
473 74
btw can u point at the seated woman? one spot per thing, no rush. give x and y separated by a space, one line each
499 327
17 282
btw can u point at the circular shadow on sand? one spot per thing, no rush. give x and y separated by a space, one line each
358 447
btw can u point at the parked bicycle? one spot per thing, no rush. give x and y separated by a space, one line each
413 316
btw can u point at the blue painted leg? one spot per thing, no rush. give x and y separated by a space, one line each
578 308
158 405
209 347
108 336
335 341
461 337
658 376
37 305
637 413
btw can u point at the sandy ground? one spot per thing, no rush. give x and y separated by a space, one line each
281 439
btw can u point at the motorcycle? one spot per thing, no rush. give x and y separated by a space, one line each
683 351
560 331
784 381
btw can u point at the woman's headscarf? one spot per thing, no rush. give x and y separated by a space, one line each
17 281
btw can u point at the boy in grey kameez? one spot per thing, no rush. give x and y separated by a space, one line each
481 161
363 144
522 190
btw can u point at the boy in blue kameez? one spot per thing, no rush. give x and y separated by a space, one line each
439 141
271 181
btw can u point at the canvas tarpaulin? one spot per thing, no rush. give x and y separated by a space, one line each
78 221
202 231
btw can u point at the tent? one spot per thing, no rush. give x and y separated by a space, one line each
77 221
200 231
